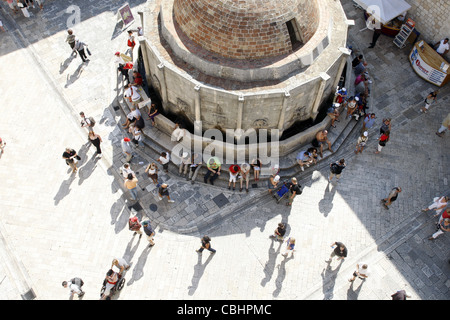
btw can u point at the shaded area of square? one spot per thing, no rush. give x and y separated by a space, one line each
220 200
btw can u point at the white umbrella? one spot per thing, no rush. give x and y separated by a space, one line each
384 10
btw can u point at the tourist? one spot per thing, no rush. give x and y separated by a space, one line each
213 165
321 138
313 153
279 232
206 244
195 167
149 232
163 191
132 117
339 250
432 96
294 190
334 114
442 47
382 140
164 159
391 197
351 106
125 170
361 271
444 126
138 136
75 286
2 147
304 158
385 126
137 79
96 140
126 149
86 122
443 226
290 245
185 164
361 143
13 5
135 226
131 43
71 157
152 171
121 264
178 132
272 183
131 184
245 175
256 165
152 113
234 172
438 205
79 47
357 60
360 68
132 94
336 169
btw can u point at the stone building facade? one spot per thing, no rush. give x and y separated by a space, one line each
234 64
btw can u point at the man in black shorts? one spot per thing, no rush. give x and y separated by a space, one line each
391 197
294 189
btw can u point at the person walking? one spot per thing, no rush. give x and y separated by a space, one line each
163 191
294 190
382 140
361 143
443 226
391 197
438 205
149 232
131 184
400 295
71 157
206 244
152 171
2 147
96 140
164 159
290 245
339 250
444 126
361 271
336 169
71 40
126 149
79 47
75 286
385 126
86 122
431 98
135 225
12 5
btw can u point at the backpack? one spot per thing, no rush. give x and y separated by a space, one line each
78 281
335 168
92 121
133 223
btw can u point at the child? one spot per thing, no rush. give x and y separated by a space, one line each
290 244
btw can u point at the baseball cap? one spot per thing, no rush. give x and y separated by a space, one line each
126 139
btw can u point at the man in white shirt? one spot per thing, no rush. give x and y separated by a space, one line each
132 94
132 117
361 271
74 285
443 47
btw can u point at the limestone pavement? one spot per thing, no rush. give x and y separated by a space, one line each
56 225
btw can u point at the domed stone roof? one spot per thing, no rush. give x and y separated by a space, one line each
247 29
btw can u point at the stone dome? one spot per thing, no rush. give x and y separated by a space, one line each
247 29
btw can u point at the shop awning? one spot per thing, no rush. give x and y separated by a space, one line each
384 10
